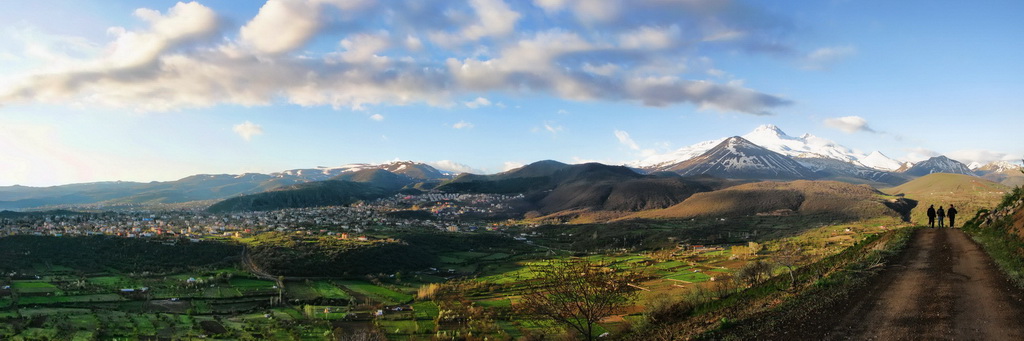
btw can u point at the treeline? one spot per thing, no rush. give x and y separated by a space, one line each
102 253
282 254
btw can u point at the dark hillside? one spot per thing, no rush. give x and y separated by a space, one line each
313 194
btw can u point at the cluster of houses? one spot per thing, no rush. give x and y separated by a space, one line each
346 222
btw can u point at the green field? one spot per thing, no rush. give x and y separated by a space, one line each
327 290
380 294
29 287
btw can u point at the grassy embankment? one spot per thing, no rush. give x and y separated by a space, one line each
999 231
720 312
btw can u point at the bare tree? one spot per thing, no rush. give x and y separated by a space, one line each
790 255
578 293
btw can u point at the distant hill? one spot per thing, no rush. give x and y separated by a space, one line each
968 193
312 194
533 177
843 201
737 158
378 177
206 187
557 190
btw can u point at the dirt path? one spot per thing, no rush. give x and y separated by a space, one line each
943 287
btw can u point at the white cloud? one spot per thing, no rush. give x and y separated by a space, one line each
919 154
625 140
462 125
282 25
493 18
454 167
364 47
247 130
510 165
981 156
178 62
648 37
477 103
849 124
824 57
552 127
377 117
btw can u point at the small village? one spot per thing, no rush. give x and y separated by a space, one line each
441 211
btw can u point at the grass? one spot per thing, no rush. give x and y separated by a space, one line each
501 302
26 287
693 315
70 299
109 281
380 294
405 327
327 290
251 283
302 291
425 310
690 276
1005 247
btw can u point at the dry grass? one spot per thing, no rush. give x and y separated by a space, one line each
968 193
802 197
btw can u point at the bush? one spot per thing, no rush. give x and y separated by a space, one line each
754 273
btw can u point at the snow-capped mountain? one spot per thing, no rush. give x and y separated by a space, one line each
661 161
738 158
995 167
1003 172
938 164
879 161
806 146
774 139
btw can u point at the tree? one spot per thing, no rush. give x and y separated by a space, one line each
790 255
578 293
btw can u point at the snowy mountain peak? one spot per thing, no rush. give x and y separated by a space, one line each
996 167
736 157
773 138
877 160
767 131
939 164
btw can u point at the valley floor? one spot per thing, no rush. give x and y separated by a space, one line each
943 287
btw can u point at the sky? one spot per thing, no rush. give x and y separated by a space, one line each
159 90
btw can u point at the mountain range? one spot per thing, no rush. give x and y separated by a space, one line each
766 153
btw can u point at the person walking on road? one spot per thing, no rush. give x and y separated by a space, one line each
941 214
951 213
931 216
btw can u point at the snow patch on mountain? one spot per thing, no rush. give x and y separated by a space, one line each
877 160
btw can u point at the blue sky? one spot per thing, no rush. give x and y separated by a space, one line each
158 90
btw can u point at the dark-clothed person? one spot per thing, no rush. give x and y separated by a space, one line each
951 213
941 214
931 216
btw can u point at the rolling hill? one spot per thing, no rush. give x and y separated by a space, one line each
968 193
840 200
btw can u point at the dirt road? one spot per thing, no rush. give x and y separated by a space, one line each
943 287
